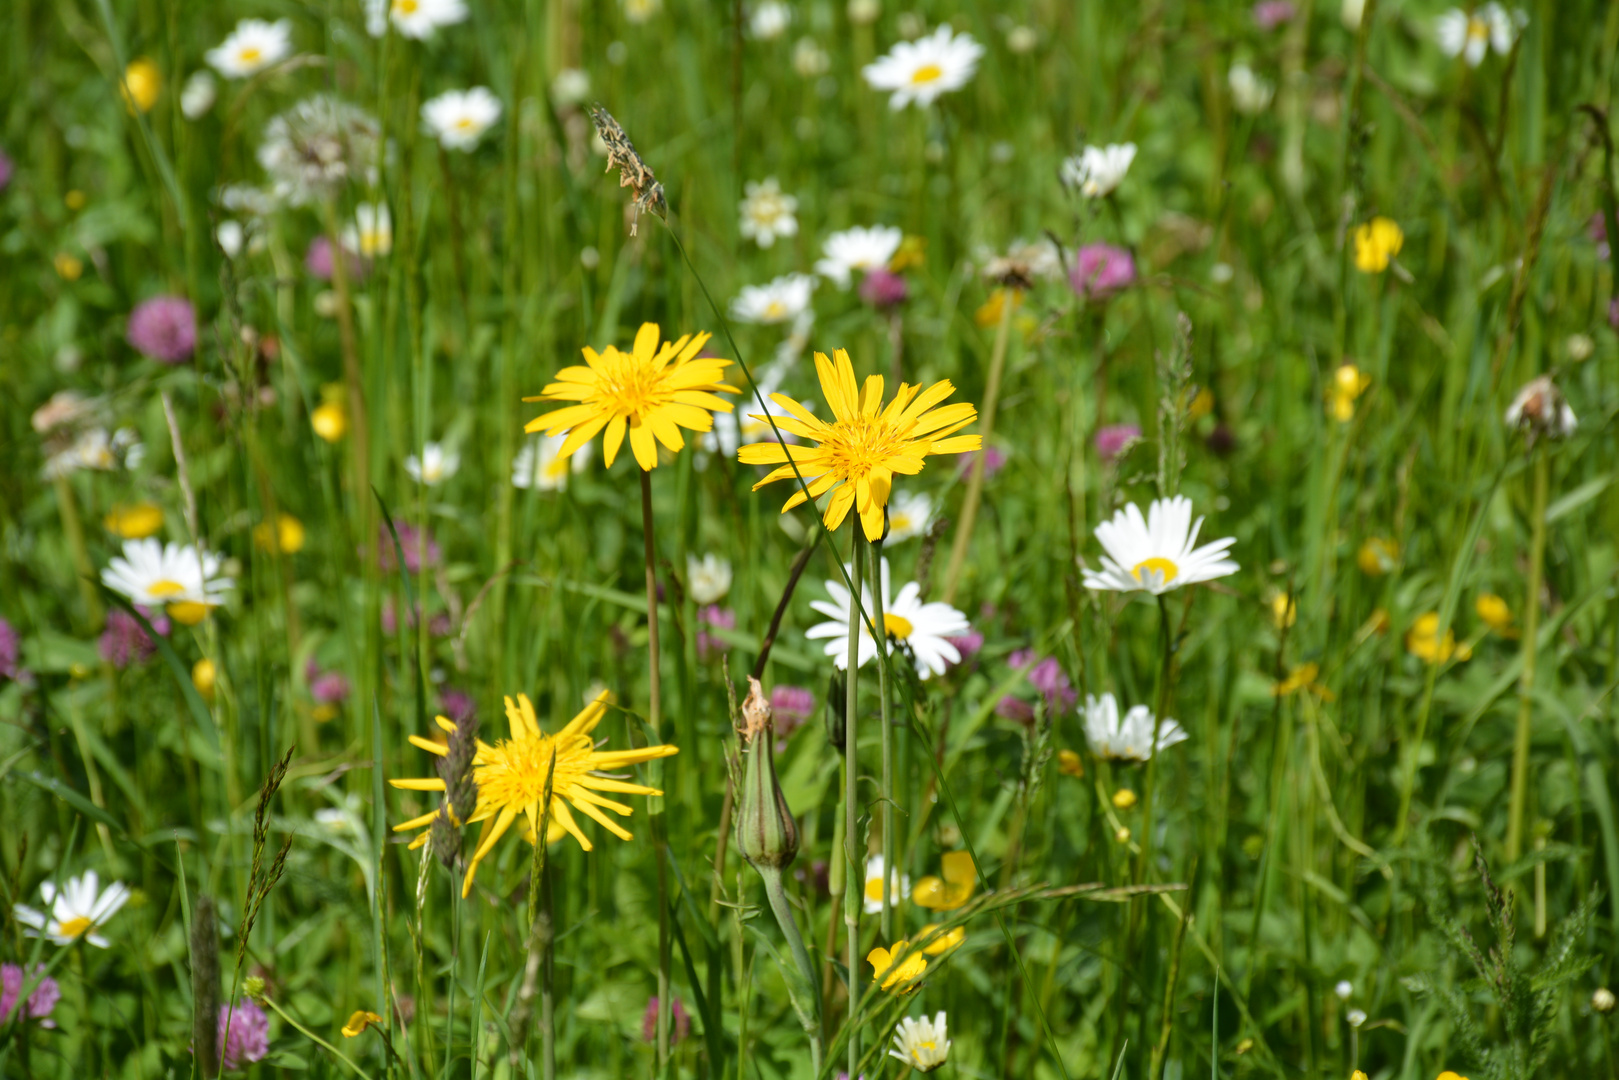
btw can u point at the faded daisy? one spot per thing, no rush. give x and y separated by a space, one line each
768 213
707 579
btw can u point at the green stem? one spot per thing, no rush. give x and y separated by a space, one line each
1160 704
855 877
316 1039
975 482
654 656
1526 679
875 558
801 958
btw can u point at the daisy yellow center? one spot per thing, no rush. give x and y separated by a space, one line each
251 54
775 310
405 7
897 626
1478 29
76 926
514 770
165 587
898 522
1166 569
766 210
464 123
926 73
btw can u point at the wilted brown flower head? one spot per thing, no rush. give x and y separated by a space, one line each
1540 409
632 171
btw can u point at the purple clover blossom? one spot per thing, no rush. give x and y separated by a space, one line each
329 688
318 261
709 646
677 1016
1100 270
1014 709
125 641
457 704
791 706
1269 14
5 171
163 328
417 544
1114 438
40 1002
883 289
10 650
1598 232
967 645
994 458
1048 678
249 1036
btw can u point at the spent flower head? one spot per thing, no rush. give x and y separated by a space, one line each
1540 410
312 150
633 173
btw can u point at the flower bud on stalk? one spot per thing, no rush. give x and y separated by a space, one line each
836 692
765 831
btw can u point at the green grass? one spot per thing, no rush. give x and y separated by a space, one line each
1279 820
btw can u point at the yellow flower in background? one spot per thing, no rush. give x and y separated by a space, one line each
330 421
68 267
1201 405
74 200
1348 383
1496 614
912 252
989 313
1377 556
134 521
1303 678
203 676
944 942
649 393
1423 641
143 82
358 1022
1376 244
1069 763
893 968
1357 1075
286 537
511 776
857 455
952 890
1284 611
1124 799
1448 1075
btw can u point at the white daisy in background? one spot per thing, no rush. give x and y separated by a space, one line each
923 69
769 19
250 48
372 234
1098 170
90 449
639 11
858 249
459 118
921 1043
1471 36
923 628
570 87
1131 739
707 579
433 466
231 236
778 301
899 886
419 19
767 213
197 96
78 911
910 513
170 576
1156 554
537 466
1249 93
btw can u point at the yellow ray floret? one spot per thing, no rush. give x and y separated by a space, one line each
511 777
648 393
858 453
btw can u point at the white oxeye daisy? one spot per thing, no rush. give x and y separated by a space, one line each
910 513
778 301
197 96
537 465
922 628
899 886
1098 170
153 574
419 19
1156 554
921 1043
707 579
78 911
858 249
250 48
372 233
1129 739
923 69
458 118
571 86
1471 36
231 235
768 213
769 20
433 466
1249 93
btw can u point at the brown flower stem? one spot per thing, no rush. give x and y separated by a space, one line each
854 873
975 482
1526 679
654 720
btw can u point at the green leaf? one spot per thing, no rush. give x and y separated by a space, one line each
74 799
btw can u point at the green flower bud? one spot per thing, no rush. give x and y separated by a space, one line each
836 691
766 833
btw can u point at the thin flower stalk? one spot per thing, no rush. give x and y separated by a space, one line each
654 657
854 871
360 447
1528 650
878 617
975 480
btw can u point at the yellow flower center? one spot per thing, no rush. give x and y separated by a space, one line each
250 54
926 73
405 7
464 123
165 588
1164 568
75 927
775 310
188 612
899 522
897 626
1478 29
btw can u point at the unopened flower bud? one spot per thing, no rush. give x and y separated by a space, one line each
766 833
253 987
836 691
1602 1000
1356 1018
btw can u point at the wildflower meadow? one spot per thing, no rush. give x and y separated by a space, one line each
809 539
